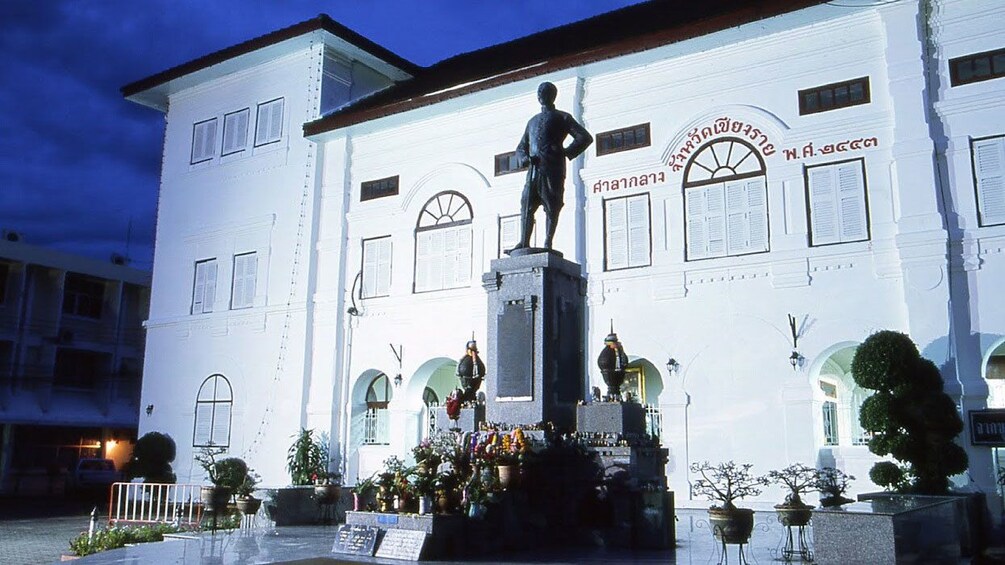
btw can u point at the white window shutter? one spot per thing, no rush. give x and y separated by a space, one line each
235 132
851 197
697 237
715 219
250 274
463 275
423 248
737 228
276 121
989 170
371 256
509 233
210 139
221 424
757 215
450 254
203 430
823 205
210 295
638 230
199 290
384 267
198 142
617 233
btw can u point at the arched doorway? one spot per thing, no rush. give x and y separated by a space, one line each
994 376
645 383
369 429
428 388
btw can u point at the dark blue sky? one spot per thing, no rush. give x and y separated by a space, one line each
78 163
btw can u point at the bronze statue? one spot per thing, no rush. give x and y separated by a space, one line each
470 371
543 152
613 362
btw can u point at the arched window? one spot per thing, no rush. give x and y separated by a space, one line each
443 243
725 200
376 429
213 406
842 401
430 401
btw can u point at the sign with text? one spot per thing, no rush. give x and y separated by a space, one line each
402 544
355 539
987 427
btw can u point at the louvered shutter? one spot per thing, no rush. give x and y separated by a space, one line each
463 274
638 230
202 435
697 236
715 219
737 228
210 295
371 258
221 424
450 258
235 131
989 169
384 267
509 233
276 121
199 290
851 198
249 275
757 215
617 233
823 205
423 245
204 141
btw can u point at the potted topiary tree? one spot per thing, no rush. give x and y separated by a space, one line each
909 416
151 459
725 483
246 501
799 479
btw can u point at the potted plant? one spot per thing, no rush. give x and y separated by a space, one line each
725 483
227 475
799 479
424 487
832 484
246 501
306 458
362 492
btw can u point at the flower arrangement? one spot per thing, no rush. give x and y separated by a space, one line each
453 405
512 449
726 482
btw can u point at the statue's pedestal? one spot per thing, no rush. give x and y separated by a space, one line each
536 336
628 418
469 421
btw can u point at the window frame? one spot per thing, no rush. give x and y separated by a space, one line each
195 281
390 265
79 308
216 400
832 87
628 229
379 410
457 225
954 67
379 188
603 136
807 193
194 159
244 145
247 302
258 120
509 157
978 199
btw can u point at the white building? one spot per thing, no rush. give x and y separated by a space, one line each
71 352
322 200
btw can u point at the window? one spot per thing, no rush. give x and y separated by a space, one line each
725 201
430 402
204 289
235 131
841 401
507 163
834 96
989 178
371 189
376 267
509 233
269 128
80 368
203 141
830 417
623 139
836 193
376 430
977 67
627 235
4 277
443 243
245 274
213 406
83 296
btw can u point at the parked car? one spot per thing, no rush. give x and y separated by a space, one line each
95 473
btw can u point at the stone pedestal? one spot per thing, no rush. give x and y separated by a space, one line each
627 418
536 310
469 420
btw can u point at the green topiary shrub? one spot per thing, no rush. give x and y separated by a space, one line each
910 416
151 459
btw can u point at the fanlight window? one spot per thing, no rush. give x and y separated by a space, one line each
213 406
443 243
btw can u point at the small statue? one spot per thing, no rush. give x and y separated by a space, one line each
613 362
542 150
595 394
470 371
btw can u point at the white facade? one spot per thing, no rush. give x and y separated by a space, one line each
744 206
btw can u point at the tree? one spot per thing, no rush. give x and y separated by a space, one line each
151 459
909 415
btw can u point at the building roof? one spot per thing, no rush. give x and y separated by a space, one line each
629 30
153 90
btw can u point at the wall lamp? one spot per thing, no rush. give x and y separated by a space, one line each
672 366
397 380
150 409
796 360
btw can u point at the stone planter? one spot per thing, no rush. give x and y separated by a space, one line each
292 506
327 494
731 526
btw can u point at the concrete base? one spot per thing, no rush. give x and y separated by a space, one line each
623 418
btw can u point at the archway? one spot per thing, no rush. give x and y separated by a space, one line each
994 375
645 382
369 431
428 388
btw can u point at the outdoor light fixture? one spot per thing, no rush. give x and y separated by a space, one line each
398 351
796 360
672 366
150 409
397 380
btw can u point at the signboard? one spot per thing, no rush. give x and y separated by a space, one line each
355 539
987 427
402 544
516 376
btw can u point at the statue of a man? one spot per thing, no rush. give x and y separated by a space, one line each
542 149
470 371
613 362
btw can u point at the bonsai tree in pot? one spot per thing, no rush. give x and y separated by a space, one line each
832 484
246 501
725 483
909 416
799 479
227 476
